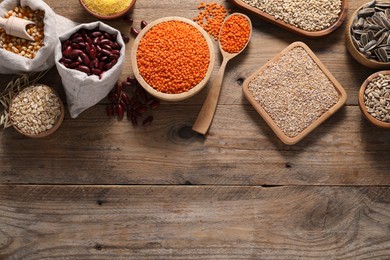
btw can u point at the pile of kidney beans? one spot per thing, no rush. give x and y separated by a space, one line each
90 51
130 98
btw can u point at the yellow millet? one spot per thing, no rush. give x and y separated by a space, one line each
107 7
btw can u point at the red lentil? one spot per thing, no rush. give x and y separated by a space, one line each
211 17
20 46
235 34
173 57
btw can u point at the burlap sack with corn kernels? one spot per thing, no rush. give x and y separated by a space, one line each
42 59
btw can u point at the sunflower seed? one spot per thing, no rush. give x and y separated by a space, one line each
369 46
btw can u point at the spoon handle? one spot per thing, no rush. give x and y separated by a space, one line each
206 114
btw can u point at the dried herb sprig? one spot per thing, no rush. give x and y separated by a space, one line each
14 87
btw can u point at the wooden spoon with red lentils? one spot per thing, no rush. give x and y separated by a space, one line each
234 36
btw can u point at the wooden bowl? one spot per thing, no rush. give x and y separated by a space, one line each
56 125
267 17
362 105
356 54
166 96
267 118
109 17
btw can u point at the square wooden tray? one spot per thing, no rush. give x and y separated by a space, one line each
282 136
267 17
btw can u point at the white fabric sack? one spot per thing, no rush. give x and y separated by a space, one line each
83 91
11 63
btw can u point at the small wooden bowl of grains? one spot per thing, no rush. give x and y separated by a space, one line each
37 111
107 9
374 99
294 93
173 58
367 36
307 18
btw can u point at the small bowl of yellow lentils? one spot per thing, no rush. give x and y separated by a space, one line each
107 9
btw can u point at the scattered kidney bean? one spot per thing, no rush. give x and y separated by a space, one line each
90 51
143 24
125 38
134 32
130 98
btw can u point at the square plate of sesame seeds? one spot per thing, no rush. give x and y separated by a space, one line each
316 17
294 93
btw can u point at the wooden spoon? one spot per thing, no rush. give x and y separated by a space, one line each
206 114
16 27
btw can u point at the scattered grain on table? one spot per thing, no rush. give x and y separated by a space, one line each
294 91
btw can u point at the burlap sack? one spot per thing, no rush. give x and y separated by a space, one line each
11 63
83 91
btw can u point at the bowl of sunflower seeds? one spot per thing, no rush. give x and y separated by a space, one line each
367 34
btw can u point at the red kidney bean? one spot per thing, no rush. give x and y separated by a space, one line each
120 109
143 24
142 109
101 65
147 121
118 88
105 52
89 40
134 31
78 39
88 47
125 38
75 53
104 59
79 59
93 64
154 105
116 52
85 58
74 65
74 46
126 84
74 36
96 40
65 60
125 98
67 51
96 34
96 71
117 46
83 69
107 47
65 45
92 53
82 44
113 56
105 41
98 48
110 65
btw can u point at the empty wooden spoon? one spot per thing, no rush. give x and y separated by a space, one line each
16 27
228 34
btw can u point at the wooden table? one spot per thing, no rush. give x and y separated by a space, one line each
102 189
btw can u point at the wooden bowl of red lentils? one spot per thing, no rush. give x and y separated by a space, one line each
107 10
173 58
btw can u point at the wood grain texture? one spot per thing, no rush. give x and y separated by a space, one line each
149 222
239 150
102 189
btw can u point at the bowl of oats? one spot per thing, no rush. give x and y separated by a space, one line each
37 111
374 99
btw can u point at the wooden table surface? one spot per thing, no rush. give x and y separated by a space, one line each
102 189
